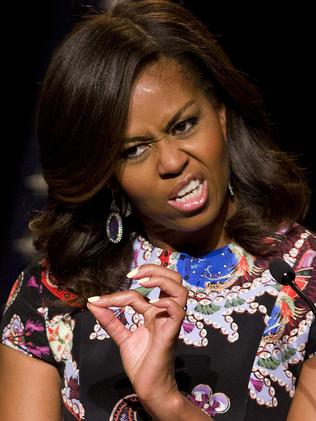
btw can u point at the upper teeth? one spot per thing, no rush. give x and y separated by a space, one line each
188 188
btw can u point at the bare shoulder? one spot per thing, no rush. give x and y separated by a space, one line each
30 387
304 402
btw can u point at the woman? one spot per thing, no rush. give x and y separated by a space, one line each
151 296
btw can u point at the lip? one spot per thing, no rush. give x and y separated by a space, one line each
192 204
174 193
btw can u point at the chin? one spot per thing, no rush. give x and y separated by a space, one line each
194 223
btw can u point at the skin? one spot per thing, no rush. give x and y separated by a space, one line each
304 402
19 399
156 159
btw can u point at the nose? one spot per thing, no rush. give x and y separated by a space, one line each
171 158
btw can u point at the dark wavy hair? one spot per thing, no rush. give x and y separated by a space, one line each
81 121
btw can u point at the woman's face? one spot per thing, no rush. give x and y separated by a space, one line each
175 169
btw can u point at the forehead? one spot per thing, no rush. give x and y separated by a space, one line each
164 72
158 93
165 69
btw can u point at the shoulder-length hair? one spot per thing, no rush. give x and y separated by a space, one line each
81 121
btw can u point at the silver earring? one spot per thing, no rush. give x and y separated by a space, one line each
114 224
127 210
230 189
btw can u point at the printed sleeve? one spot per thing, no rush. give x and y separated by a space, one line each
23 325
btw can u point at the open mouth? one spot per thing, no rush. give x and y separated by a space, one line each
193 189
190 197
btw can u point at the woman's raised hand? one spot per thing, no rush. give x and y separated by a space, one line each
148 352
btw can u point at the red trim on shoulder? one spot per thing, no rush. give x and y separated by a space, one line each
14 288
50 283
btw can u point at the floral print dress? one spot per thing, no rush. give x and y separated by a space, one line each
241 346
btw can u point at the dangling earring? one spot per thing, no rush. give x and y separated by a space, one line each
127 209
230 189
114 224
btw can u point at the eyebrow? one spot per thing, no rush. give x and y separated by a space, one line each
167 127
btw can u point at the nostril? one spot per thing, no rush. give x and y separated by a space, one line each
172 162
171 171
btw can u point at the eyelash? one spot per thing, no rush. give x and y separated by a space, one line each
192 119
189 119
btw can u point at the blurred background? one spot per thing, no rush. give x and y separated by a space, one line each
273 46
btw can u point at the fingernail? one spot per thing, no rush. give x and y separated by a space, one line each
132 273
143 280
94 299
154 300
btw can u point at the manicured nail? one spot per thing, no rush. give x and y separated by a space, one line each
154 300
143 280
94 299
132 273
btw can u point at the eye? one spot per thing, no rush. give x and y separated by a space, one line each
135 151
184 126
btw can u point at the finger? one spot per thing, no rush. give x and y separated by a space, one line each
175 315
121 299
154 270
100 308
110 323
174 310
168 287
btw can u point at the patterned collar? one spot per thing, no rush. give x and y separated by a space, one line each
212 270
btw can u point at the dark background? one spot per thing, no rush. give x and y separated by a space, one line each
273 46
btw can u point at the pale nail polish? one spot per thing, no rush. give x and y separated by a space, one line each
132 273
143 280
154 300
94 299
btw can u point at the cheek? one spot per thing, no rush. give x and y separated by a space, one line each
223 168
223 158
215 153
216 158
137 185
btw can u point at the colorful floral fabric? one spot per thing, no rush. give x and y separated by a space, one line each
241 346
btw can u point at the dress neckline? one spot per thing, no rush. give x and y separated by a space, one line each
215 267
